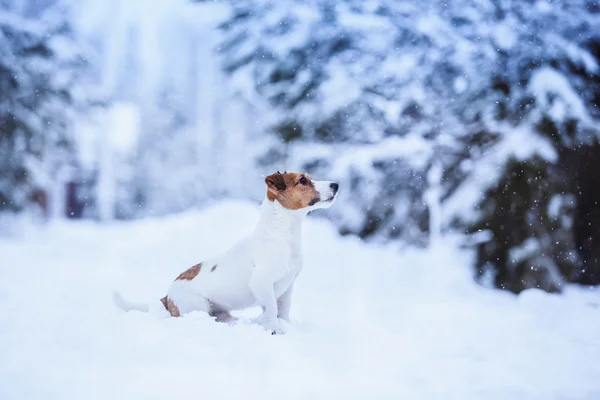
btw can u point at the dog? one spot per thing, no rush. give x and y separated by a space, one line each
260 270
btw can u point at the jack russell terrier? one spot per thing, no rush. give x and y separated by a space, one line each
259 270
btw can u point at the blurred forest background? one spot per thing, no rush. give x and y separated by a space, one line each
437 117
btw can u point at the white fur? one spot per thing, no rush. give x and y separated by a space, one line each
257 271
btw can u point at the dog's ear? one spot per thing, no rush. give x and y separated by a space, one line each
275 182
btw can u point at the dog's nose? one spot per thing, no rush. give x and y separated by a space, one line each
335 187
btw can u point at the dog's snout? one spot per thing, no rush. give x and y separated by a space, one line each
335 187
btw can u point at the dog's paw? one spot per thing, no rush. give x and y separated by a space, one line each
260 320
275 326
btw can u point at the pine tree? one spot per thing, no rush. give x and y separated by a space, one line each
373 93
40 66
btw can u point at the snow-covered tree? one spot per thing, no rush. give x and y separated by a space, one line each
40 67
374 93
167 177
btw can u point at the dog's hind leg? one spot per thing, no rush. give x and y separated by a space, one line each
170 306
221 315
181 300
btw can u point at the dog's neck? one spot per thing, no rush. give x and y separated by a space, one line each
278 223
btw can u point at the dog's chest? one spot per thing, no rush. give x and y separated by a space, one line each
290 271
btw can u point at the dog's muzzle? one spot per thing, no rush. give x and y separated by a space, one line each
327 192
334 187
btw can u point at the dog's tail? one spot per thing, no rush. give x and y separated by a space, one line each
128 305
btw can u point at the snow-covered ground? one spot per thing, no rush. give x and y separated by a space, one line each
369 322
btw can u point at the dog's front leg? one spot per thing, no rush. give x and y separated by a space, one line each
284 304
264 292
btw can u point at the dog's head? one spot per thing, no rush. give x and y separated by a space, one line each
296 191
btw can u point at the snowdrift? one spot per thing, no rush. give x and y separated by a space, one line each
369 321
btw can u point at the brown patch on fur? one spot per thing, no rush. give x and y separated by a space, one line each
286 189
170 306
190 273
213 268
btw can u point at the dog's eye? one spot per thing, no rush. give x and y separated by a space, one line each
303 181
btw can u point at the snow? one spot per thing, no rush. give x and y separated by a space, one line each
400 66
576 54
362 21
547 81
369 321
390 148
293 15
339 90
529 248
505 36
460 85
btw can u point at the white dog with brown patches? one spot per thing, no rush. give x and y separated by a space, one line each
259 270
